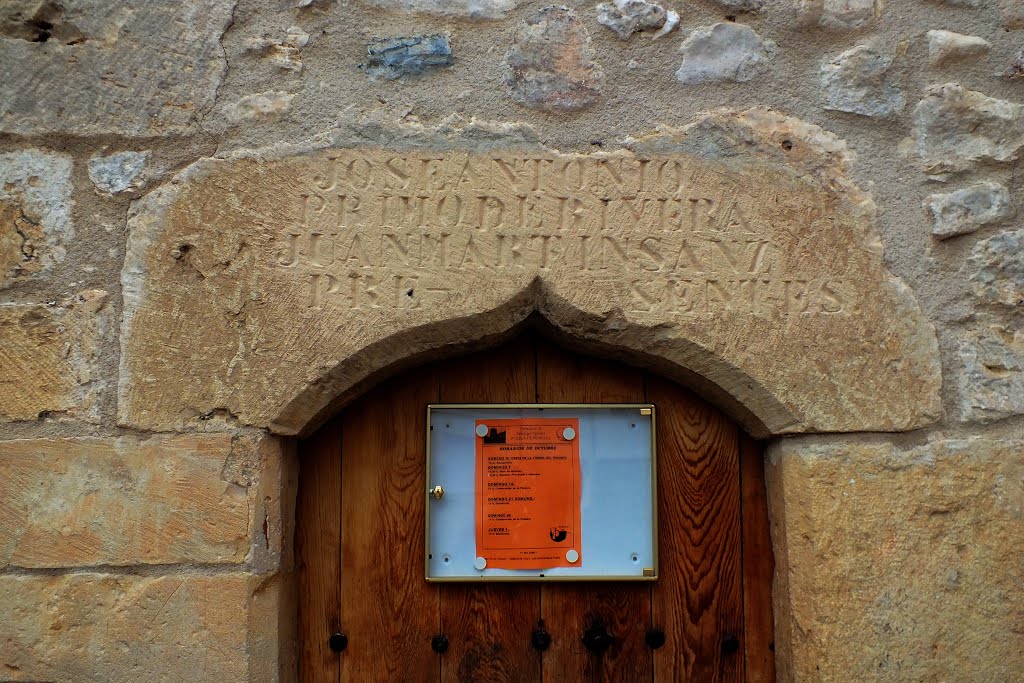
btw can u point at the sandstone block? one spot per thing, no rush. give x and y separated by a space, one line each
128 501
724 52
956 129
35 212
944 46
898 563
145 68
840 15
97 628
120 172
48 363
857 81
552 66
301 276
965 210
996 267
990 379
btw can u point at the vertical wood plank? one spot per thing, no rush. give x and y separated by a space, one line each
317 544
758 566
698 598
569 609
389 611
489 625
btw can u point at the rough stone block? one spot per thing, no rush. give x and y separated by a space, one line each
956 129
996 268
857 81
180 628
120 172
990 379
128 501
49 355
626 17
724 52
393 58
551 65
300 276
945 46
965 210
35 212
264 106
840 15
473 9
898 563
146 67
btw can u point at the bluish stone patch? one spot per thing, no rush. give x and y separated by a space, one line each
393 58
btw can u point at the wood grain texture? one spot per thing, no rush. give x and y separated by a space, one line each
389 611
698 599
569 609
489 625
758 566
317 550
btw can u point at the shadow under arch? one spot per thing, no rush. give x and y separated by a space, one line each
613 336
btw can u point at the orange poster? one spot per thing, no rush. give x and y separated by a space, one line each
528 493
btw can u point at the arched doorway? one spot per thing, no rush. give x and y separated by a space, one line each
360 528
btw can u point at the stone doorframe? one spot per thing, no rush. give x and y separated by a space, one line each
265 291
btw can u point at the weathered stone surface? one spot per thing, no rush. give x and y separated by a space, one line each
898 564
742 5
840 15
301 276
552 66
473 9
264 106
944 46
284 53
990 379
1012 12
1016 68
121 172
857 81
126 501
955 129
724 52
965 210
626 17
996 267
142 68
35 213
393 58
180 628
48 357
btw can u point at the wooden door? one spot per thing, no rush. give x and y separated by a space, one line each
360 544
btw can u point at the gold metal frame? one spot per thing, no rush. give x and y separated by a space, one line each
646 409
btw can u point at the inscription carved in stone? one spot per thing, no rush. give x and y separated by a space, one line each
292 280
370 232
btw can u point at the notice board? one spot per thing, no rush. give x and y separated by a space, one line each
541 492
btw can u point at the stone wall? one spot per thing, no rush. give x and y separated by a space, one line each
835 259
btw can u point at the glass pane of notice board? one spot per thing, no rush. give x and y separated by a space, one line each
541 492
